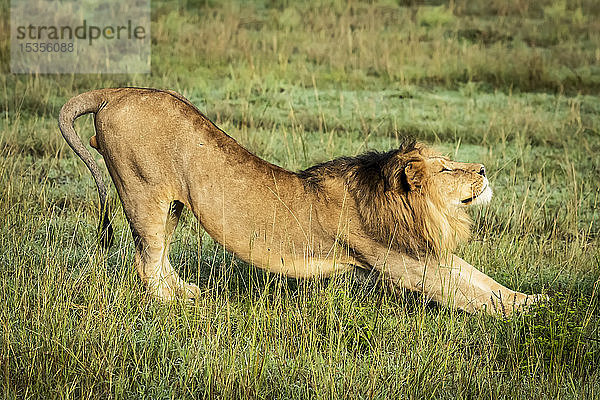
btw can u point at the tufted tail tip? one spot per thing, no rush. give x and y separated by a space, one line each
106 233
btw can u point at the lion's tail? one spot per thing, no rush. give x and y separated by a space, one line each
85 103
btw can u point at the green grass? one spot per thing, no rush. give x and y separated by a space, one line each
512 84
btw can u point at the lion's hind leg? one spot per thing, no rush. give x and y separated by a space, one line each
183 288
152 224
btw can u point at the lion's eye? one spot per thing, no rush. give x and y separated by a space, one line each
446 170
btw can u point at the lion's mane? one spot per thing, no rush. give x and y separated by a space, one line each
411 221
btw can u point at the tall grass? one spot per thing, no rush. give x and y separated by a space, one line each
512 84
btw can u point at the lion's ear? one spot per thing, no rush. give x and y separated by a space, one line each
413 173
403 177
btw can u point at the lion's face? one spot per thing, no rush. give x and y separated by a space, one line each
451 182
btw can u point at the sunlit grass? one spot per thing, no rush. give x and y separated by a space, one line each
504 83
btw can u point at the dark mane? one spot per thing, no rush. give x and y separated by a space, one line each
413 222
367 167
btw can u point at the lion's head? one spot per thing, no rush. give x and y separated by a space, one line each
411 198
449 183
414 199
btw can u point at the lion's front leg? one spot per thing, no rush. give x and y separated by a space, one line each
452 282
472 290
449 284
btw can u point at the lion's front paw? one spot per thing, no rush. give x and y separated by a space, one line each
515 302
538 298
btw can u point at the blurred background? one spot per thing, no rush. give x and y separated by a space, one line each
513 84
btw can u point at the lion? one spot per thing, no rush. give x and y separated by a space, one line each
400 213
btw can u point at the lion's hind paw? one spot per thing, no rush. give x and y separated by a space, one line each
191 291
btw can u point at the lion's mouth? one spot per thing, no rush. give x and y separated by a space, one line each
467 201
485 190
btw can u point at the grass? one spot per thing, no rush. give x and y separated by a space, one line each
512 84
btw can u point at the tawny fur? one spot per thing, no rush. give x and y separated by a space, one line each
400 213
412 221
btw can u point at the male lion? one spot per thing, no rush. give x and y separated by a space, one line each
401 212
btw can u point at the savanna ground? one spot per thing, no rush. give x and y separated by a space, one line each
513 84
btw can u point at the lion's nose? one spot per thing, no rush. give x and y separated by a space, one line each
482 171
